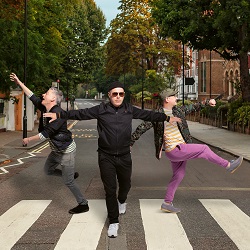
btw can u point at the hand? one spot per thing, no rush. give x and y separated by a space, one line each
26 141
51 115
212 102
14 78
174 119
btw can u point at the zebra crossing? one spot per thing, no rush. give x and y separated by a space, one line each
18 219
84 230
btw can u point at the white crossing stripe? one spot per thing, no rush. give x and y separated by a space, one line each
162 230
18 219
84 229
231 219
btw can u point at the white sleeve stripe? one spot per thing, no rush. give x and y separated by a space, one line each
41 136
31 94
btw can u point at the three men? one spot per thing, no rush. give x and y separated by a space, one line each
114 124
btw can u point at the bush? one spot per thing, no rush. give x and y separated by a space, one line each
232 110
242 115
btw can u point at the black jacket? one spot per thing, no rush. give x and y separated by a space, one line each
114 125
57 130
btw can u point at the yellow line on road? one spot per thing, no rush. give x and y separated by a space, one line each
44 146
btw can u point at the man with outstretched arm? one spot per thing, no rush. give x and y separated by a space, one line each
176 141
63 147
114 124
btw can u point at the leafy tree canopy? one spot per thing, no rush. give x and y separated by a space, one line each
135 41
63 36
219 25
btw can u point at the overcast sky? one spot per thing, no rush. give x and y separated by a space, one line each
109 8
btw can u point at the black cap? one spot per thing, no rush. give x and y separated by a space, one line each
115 85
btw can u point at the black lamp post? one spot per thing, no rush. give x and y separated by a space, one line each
142 83
210 76
142 80
68 83
25 71
183 73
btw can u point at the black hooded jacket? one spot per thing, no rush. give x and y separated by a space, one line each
114 124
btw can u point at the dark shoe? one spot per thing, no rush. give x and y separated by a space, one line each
57 172
169 208
79 209
234 164
76 175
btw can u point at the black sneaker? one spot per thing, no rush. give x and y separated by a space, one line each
79 209
76 175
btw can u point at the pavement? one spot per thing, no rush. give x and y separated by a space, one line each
235 143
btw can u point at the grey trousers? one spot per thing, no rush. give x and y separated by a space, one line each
67 162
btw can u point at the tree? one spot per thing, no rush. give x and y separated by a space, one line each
83 37
54 30
219 25
135 41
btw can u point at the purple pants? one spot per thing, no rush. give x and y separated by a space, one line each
178 158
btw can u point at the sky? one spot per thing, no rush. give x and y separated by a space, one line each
109 8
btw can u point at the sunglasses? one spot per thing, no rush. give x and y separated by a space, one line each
115 94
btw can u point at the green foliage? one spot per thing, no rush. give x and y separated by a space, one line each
146 95
93 92
242 115
232 110
136 88
135 45
208 24
55 30
236 112
186 102
221 26
221 106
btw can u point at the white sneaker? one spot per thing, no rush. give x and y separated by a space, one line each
113 229
122 207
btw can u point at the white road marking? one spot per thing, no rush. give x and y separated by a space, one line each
18 219
84 230
162 230
231 219
19 162
31 154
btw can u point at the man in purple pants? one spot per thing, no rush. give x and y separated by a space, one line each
175 138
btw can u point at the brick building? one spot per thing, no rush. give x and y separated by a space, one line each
216 76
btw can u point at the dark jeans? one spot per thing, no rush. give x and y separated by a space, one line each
113 169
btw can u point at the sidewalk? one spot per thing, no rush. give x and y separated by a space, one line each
231 142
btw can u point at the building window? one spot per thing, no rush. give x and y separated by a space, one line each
203 77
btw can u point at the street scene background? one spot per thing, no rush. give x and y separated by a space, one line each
34 207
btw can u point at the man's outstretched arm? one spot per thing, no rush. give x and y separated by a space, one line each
79 114
14 78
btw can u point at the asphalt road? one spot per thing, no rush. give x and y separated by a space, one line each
215 204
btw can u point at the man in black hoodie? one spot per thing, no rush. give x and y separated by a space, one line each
63 147
114 124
